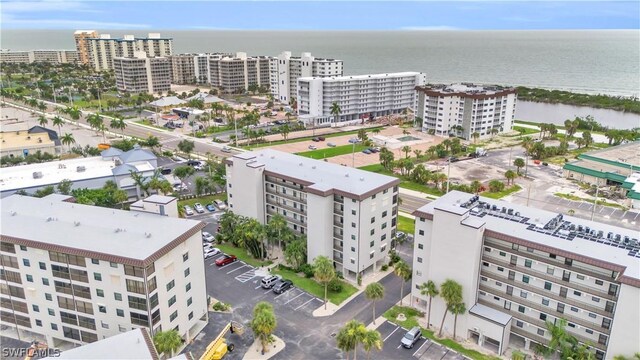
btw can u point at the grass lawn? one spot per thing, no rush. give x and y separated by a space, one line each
312 287
501 194
305 138
148 123
241 254
592 201
411 321
332 151
526 130
407 184
204 200
406 225
570 155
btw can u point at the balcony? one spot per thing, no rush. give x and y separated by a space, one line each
284 195
337 246
279 204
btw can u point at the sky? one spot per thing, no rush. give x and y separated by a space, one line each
316 15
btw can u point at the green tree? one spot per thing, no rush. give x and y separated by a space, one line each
74 113
118 123
57 121
476 186
335 111
418 153
403 271
457 309
141 183
429 289
374 292
250 235
229 221
362 134
586 137
496 186
519 164
202 185
152 142
186 146
64 187
510 175
386 158
350 336
406 150
43 121
295 253
475 136
371 339
277 229
451 293
494 131
323 272
264 323
167 342
68 140
48 190
183 172
284 131
527 143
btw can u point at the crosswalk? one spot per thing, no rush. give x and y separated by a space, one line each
246 276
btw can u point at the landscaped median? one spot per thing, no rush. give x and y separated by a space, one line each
412 320
305 138
501 194
311 286
204 200
242 255
332 151
592 201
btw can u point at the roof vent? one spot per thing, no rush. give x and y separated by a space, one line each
76 223
313 167
300 164
346 175
361 179
13 213
147 235
37 175
81 168
51 218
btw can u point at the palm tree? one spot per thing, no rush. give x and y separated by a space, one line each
403 271
494 131
374 292
284 131
451 293
475 136
277 228
527 143
457 309
119 124
518 163
371 339
418 153
476 186
335 110
323 272
167 341
431 290
350 336
264 323
510 175
68 140
42 120
406 149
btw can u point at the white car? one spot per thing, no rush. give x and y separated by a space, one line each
211 253
312 147
188 210
199 208
208 248
220 204
226 149
207 237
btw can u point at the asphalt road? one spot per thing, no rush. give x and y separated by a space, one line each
411 203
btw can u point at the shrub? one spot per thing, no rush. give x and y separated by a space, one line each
385 267
307 269
393 255
335 285
167 153
220 306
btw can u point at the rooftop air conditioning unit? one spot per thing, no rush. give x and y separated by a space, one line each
37 175
81 168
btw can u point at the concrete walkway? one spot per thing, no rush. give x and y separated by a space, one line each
255 350
599 138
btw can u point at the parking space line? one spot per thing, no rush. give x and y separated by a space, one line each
636 216
236 269
388 336
258 287
310 300
282 294
290 300
602 208
423 344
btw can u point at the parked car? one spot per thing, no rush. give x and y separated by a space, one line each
188 210
211 253
178 125
206 236
208 248
165 171
220 204
400 235
282 286
367 151
312 147
331 144
373 150
225 260
268 282
354 140
169 125
411 337
453 159
321 138
226 149
210 207
315 139
199 208
179 188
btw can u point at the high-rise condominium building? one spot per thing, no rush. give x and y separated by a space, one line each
142 74
465 109
347 215
286 69
32 56
191 68
359 97
236 73
103 49
80 37
75 273
521 268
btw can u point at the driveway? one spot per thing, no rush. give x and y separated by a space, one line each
424 349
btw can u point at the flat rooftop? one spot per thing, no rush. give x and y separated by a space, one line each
23 139
625 155
467 88
134 344
95 231
538 226
362 77
321 176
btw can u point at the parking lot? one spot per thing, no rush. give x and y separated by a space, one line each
424 349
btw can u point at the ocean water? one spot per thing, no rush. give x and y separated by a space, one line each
592 61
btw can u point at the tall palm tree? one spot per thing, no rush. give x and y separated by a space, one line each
451 293
42 120
403 271
475 136
335 110
371 339
167 341
118 123
323 272
457 309
350 336
527 143
68 140
406 149
510 175
374 292
264 323
429 289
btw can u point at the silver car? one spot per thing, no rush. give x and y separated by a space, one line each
188 210
411 337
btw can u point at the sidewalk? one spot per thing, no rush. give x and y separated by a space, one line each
255 350
416 194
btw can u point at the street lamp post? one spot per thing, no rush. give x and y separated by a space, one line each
448 174
353 154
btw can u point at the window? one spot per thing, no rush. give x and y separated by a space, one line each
100 292
189 301
577 293
43 266
48 297
353 249
595 299
113 264
353 237
599 282
574 309
26 262
97 276
545 302
498 283
527 263
540 332
353 261
137 303
525 279
54 327
188 287
136 286
29 278
521 309
373 219
547 285
420 246
606 323
173 316
543 317
482 278
484 263
191 315
560 308
487 249
519 323
353 212
153 300
384 213
373 231
117 296
185 257
588 331
120 312
102 309
580 277
45 281
549 270
553 256
371 255
23 248
502 253
500 268
36 308
187 271
384 225
419 259
371 243
95 261
523 294
38 322
172 300
171 284
592 315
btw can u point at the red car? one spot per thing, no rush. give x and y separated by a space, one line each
225 260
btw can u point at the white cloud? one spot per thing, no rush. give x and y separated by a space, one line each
9 21
430 28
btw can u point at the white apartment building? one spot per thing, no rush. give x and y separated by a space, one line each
102 50
231 73
463 109
190 68
286 69
32 56
142 74
347 214
86 273
360 97
520 267
80 37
